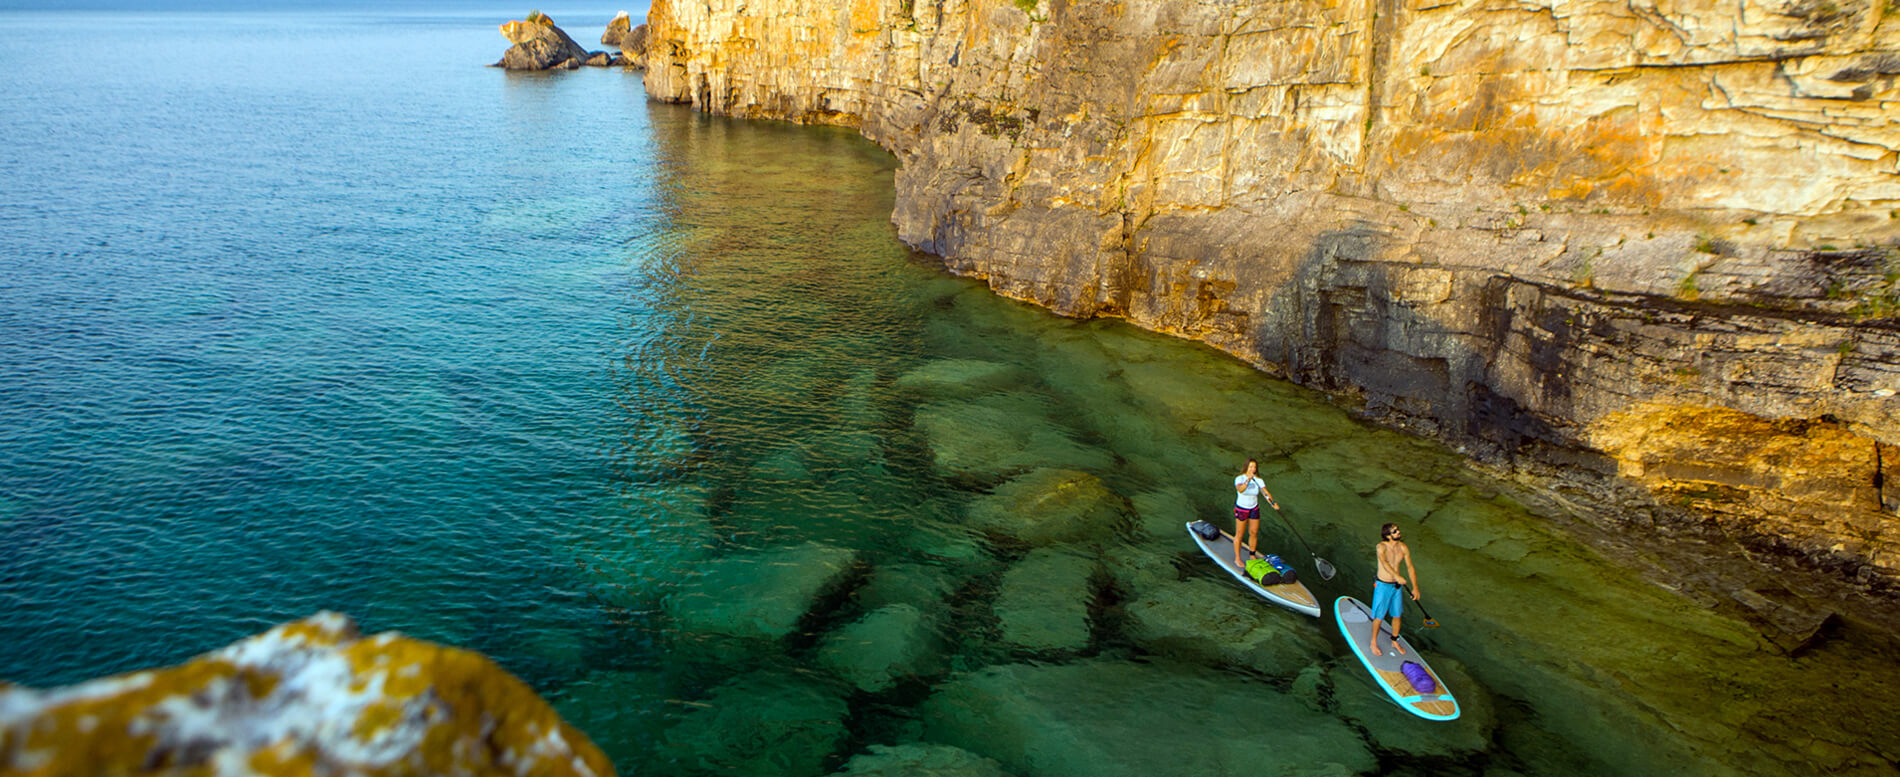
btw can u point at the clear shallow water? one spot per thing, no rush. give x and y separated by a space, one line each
514 361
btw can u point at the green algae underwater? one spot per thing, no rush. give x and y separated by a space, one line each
986 504
743 485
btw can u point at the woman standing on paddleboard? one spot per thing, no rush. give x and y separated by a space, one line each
1388 593
1249 490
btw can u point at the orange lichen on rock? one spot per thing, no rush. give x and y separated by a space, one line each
1797 479
305 698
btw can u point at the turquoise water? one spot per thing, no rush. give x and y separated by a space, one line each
652 408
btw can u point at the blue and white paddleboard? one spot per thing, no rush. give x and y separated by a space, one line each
1355 621
1293 596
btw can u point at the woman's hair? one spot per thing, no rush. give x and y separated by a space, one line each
1385 532
1250 463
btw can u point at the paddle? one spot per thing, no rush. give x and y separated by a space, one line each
1430 622
1326 570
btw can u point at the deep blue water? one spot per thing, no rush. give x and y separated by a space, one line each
310 310
305 311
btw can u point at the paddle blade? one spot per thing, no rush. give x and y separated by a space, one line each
1326 570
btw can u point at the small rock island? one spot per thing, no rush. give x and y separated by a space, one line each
540 45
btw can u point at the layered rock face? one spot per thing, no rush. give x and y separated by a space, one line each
309 697
1645 254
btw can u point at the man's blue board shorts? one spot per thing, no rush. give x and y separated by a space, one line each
1387 600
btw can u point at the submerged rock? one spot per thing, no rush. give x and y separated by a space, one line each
1050 505
1098 719
1137 568
1221 624
655 531
884 647
1164 514
1000 436
959 378
762 723
759 595
626 713
616 29
307 696
919 585
539 45
1043 602
921 760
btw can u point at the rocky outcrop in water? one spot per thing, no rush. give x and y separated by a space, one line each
310 697
539 45
1573 240
633 46
616 30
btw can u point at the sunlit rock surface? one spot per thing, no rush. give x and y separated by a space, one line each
1502 224
306 698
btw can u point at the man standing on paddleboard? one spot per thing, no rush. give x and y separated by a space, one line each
1387 593
1247 508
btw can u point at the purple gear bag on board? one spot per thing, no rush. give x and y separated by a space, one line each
1418 677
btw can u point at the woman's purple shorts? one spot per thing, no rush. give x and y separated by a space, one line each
1246 513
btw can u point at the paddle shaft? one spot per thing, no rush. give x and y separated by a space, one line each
1325 567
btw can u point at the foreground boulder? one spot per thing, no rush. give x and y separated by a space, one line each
539 45
616 30
307 697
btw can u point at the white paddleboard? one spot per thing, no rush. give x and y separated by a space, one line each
1293 596
1355 621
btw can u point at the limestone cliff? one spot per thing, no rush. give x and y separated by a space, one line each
1644 254
305 698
